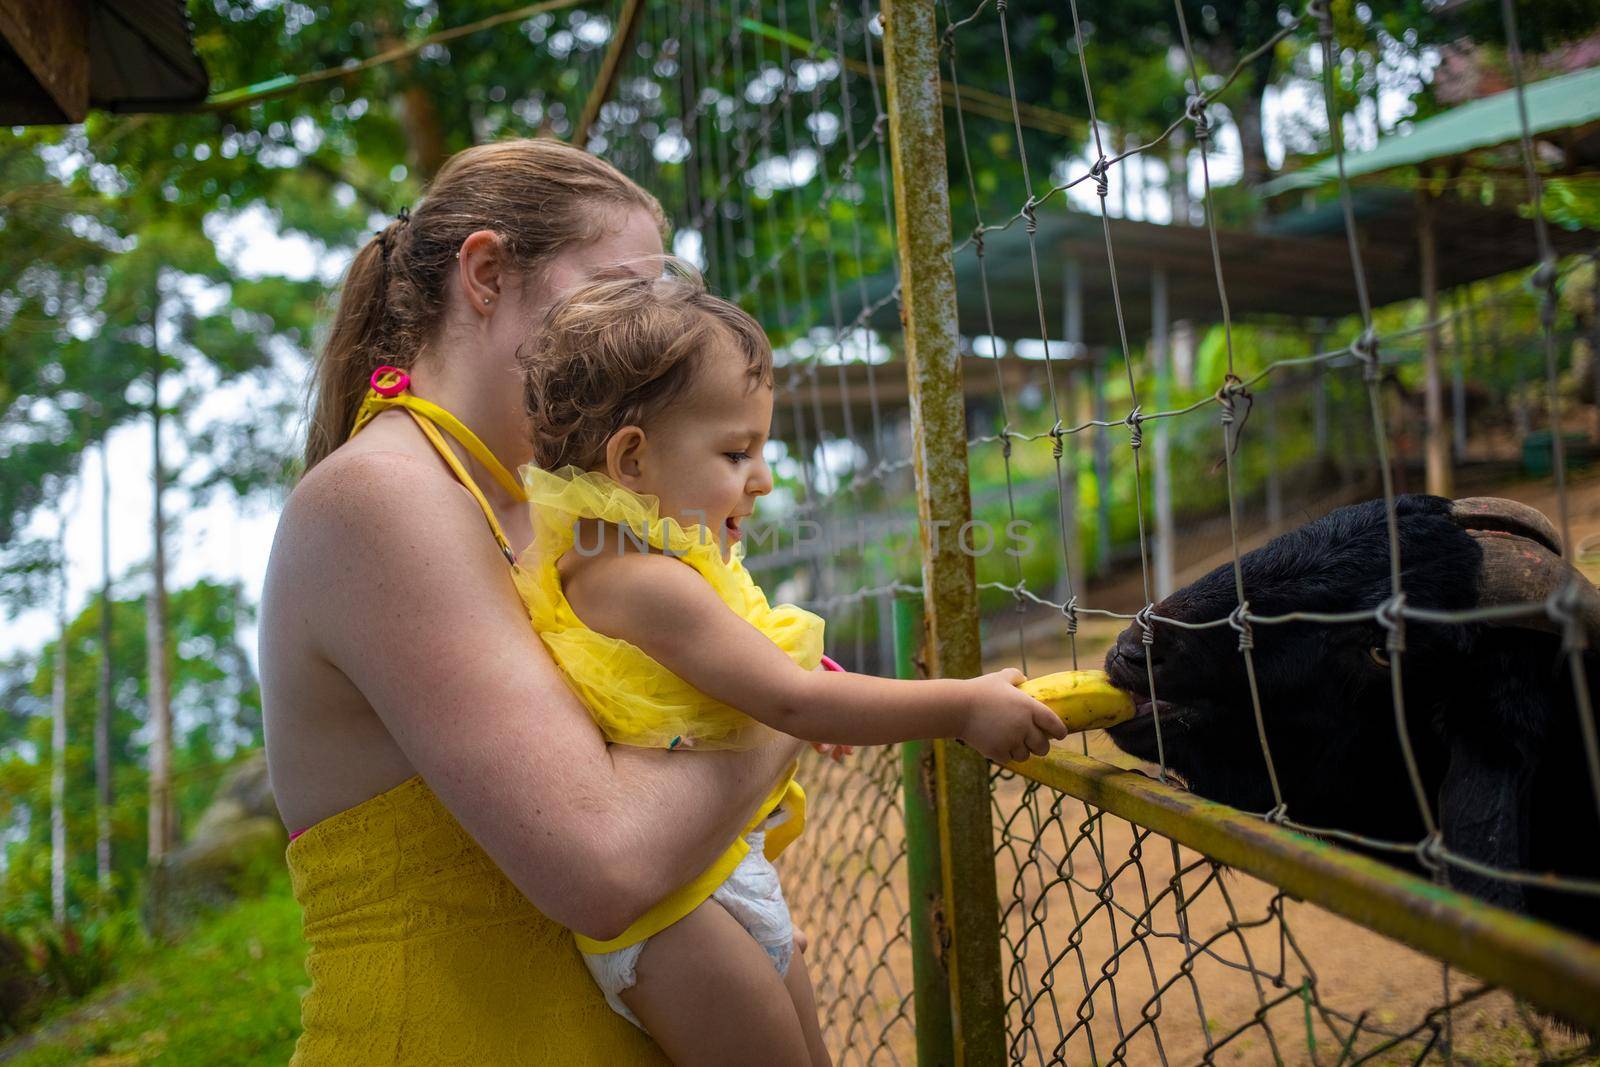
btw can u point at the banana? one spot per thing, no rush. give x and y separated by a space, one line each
1085 700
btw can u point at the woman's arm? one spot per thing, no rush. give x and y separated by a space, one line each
669 611
411 600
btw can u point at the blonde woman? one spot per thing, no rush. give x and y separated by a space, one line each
456 811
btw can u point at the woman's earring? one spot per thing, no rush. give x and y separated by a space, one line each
487 300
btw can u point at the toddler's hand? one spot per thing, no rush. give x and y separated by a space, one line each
1004 723
837 753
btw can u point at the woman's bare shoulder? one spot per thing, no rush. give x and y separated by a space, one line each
365 528
355 478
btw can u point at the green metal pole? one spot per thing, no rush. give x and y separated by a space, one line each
924 880
950 600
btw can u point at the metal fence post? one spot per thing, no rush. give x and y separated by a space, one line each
944 505
924 882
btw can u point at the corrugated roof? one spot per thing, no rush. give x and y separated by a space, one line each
1553 104
140 57
1301 271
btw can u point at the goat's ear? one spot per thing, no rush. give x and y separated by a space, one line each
1482 815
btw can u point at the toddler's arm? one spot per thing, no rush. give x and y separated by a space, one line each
666 608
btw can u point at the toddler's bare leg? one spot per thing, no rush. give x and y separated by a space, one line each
805 1006
709 995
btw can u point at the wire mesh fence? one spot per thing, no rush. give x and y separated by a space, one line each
764 127
761 128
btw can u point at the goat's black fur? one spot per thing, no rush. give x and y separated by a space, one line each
1490 709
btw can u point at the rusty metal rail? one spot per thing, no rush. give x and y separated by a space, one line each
1551 968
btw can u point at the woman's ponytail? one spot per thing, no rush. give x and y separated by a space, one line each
354 349
540 196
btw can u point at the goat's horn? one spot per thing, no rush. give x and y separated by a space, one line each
1522 570
1506 516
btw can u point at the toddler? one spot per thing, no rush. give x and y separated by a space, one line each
651 401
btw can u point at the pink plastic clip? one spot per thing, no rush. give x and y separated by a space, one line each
390 381
829 665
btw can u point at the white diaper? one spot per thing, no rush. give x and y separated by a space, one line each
751 895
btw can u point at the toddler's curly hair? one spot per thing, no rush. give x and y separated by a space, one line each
621 348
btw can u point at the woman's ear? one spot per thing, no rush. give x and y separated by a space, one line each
482 270
624 455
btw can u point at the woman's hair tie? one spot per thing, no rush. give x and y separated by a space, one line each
387 234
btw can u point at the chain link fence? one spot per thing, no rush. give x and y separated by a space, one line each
1135 924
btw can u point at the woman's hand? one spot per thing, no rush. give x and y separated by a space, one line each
1004 723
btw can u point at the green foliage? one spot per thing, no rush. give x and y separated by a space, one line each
76 959
245 966
217 717
217 720
1573 202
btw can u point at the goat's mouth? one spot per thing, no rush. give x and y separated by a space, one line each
1132 679
1138 736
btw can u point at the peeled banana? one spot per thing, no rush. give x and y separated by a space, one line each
1085 700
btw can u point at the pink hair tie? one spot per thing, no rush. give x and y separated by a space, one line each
829 665
390 381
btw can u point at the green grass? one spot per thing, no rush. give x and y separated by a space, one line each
228 993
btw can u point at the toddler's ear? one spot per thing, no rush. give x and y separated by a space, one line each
623 452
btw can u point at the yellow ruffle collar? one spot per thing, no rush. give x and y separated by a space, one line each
560 498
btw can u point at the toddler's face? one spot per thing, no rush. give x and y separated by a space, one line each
703 456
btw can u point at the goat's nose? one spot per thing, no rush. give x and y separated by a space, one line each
1131 647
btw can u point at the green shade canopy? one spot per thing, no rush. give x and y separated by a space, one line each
1559 103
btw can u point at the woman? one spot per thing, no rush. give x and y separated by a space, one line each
456 806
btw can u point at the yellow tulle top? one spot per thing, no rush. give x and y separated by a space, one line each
635 700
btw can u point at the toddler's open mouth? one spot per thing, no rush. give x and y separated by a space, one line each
731 524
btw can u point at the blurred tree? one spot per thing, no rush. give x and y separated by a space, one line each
216 707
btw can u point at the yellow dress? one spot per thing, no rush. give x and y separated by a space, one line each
421 952
634 699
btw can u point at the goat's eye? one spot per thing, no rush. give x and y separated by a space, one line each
1378 657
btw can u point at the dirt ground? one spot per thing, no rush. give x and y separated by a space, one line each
1236 975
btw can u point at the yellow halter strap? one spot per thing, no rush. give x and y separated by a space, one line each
390 389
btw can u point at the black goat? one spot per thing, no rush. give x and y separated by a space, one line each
1490 708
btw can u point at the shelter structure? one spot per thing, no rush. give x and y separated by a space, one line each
1294 273
1562 117
1563 113
1297 271
60 58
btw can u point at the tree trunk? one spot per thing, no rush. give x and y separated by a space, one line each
1437 430
1072 333
417 112
1377 90
1102 468
1252 142
58 750
1161 453
419 117
160 839
102 719
1178 177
